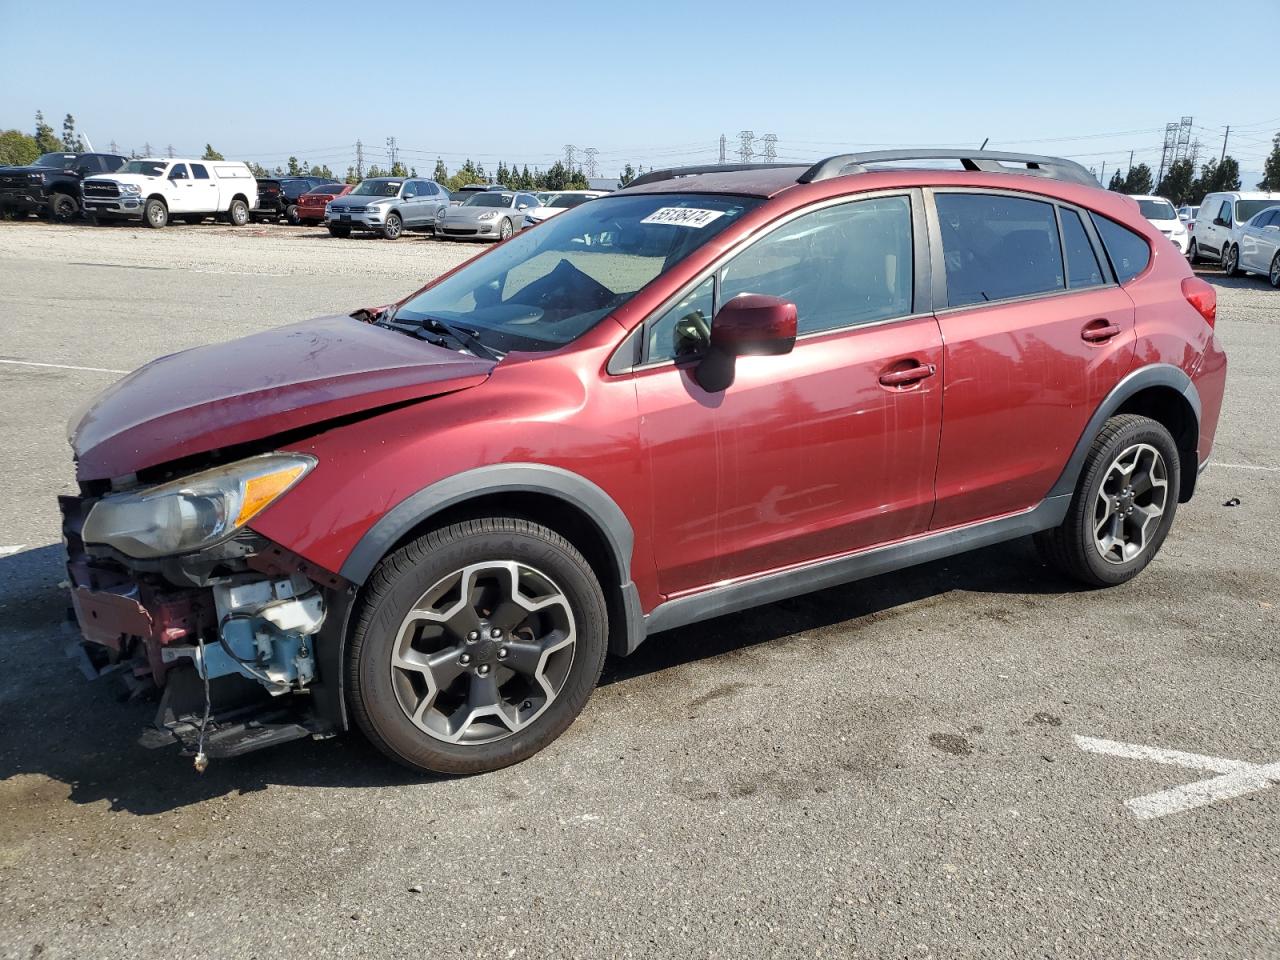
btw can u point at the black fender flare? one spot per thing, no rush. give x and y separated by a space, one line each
1153 375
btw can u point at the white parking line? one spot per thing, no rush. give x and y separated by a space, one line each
61 366
1235 777
10 551
1246 466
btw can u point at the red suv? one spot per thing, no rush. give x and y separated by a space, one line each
716 388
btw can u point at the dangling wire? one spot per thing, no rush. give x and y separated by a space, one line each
201 760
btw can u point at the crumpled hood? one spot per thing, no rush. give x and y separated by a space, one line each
287 378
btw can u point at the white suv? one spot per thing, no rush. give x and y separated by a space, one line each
1160 213
157 190
1219 219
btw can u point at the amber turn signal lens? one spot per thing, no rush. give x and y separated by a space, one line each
259 491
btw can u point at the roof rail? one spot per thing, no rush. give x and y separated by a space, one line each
988 161
656 176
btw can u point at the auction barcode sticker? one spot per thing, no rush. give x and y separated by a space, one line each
683 216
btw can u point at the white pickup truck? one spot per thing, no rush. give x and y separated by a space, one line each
156 191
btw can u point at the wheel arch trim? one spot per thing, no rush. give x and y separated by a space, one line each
1144 378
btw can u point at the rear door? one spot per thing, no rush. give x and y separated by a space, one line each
826 450
1032 346
204 189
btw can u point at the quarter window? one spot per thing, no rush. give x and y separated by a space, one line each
840 266
1083 269
998 247
1128 252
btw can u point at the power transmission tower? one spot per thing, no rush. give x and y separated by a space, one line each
171 151
745 151
1170 144
723 143
112 146
770 147
359 159
1184 139
570 156
590 163
392 152
146 149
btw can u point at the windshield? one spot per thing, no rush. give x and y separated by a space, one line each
59 160
488 200
567 200
1248 209
147 168
545 288
1158 210
378 188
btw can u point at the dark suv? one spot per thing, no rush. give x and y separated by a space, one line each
278 196
51 185
716 388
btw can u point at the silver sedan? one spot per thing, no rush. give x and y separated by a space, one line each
1258 249
488 215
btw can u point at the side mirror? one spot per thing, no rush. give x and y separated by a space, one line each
751 324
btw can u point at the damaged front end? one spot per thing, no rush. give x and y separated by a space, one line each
226 634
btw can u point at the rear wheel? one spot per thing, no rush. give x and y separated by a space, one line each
155 214
393 227
291 215
238 213
1193 254
475 646
1123 505
63 208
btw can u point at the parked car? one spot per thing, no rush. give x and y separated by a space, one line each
1219 215
707 391
278 196
1255 247
488 215
559 203
1187 213
1160 213
311 205
460 195
156 190
51 185
388 206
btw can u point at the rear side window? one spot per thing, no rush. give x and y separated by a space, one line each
199 171
998 247
1083 269
1128 252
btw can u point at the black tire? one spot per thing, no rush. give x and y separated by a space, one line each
291 215
394 226
1273 274
1231 260
63 208
1071 547
238 213
1193 254
155 214
399 582
339 231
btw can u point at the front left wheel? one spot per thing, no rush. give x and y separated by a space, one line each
63 208
1274 273
1231 260
475 646
393 227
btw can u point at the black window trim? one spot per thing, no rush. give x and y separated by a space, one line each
920 292
939 256
1115 274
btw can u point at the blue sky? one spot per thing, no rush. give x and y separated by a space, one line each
654 83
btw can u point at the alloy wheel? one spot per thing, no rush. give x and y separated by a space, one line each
64 208
1274 276
506 230
1230 258
484 652
392 228
1130 503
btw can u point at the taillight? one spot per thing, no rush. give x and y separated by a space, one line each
1203 297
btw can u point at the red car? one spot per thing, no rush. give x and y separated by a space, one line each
311 204
716 388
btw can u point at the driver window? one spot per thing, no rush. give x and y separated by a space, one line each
410 190
684 330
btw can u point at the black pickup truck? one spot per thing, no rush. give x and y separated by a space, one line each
278 196
51 185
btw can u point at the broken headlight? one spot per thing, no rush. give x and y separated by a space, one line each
196 511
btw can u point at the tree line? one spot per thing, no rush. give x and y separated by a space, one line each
1182 185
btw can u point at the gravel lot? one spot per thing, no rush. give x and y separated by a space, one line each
887 769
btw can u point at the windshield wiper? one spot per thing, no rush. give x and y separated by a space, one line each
465 337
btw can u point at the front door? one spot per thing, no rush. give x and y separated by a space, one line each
1032 349
182 193
820 452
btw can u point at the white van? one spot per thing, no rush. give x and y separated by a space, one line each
157 190
1219 218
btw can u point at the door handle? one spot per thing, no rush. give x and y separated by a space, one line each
1099 331
904 378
